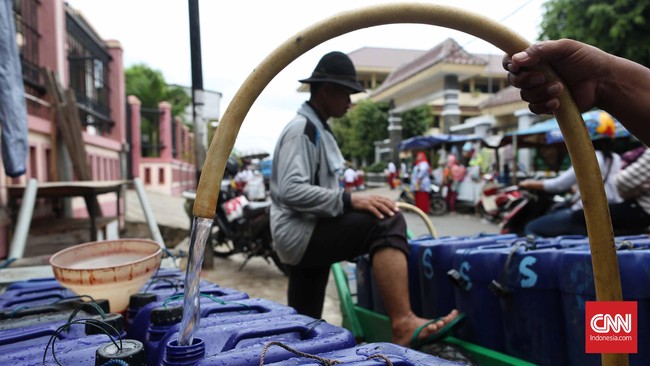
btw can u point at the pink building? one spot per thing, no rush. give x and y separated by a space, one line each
52 35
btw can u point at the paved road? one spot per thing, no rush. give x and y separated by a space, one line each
263 280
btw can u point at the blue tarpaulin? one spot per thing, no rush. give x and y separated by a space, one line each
427 142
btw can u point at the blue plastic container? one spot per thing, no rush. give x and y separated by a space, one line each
530 302
34 282
79 351
160 289
184 355
477 266
364 282
25 314
167 286
43 294
367 291
241 343
434 260
138 323
361 356
416 247
212 314
413 280
40 333
169 273
376 301
577 287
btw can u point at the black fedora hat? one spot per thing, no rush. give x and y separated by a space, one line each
336 67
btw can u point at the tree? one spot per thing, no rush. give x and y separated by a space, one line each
342 129
370 121
150 87
357 131
416 122
619 27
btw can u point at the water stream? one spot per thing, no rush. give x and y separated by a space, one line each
191 311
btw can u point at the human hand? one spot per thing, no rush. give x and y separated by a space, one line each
635 192
579 65
377 205
531 184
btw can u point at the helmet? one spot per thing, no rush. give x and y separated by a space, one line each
232 167
600 125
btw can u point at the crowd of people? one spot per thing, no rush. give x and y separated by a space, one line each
353 179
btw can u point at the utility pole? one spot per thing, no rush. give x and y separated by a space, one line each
200 135
200 140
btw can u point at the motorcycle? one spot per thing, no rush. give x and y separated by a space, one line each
240 226
438 205
531 205
495 201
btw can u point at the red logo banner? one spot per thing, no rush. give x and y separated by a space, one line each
611 327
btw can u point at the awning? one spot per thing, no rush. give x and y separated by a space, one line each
428 142
548 132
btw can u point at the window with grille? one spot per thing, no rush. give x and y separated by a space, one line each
27 39
89 71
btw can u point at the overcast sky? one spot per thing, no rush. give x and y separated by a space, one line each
236 35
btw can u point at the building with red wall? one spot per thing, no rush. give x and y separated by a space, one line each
52 35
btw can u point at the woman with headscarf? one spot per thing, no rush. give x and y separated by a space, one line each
453 175
421 182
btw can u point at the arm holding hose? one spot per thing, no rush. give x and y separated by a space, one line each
595 79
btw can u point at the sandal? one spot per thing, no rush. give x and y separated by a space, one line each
443 332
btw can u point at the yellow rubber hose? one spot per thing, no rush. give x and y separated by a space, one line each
604 259
423 216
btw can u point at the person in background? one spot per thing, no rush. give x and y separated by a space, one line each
403 172
633 183
630 156
421 182
242 178
452 176
570 219
360 183
349 179
315 223
391 174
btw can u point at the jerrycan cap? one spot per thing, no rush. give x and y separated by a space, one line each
103 326
132 352
138 301
166 315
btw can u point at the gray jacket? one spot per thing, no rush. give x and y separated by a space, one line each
304 183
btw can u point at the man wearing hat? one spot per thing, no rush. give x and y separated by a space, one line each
315 223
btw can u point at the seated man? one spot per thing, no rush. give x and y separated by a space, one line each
315 223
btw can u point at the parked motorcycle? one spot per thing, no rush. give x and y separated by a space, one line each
438 205
496 201
240 226
532 205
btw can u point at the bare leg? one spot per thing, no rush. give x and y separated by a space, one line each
390 268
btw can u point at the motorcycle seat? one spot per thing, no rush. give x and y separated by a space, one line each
254 208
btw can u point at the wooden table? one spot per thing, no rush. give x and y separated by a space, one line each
89 190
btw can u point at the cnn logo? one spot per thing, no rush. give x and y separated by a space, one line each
611 327
605 323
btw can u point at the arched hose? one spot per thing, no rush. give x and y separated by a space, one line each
423 216
604 259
